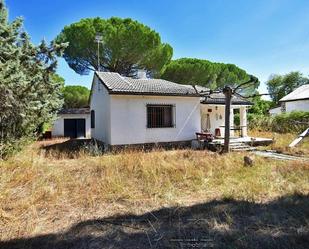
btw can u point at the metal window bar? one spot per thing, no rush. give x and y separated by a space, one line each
160 116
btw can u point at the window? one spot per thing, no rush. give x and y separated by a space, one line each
99 85
283 107
92 114
160 116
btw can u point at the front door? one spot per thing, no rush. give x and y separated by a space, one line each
74 128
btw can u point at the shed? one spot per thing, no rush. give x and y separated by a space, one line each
72 123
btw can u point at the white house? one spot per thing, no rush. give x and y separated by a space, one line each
73 123
298 100
138 111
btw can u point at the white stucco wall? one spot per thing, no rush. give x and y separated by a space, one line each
299 105
129 120
58 125
100 103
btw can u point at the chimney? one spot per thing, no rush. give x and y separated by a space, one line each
141 74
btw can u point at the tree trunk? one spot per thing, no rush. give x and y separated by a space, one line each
228 98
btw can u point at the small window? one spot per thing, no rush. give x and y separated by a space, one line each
99 85
283 107
92 119
160 116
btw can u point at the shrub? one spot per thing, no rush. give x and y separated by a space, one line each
260 122
282 123
290 122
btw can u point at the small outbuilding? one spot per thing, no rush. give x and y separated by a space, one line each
72 123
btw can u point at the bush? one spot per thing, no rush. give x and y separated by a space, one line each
289 122
237 119
260 122
282 123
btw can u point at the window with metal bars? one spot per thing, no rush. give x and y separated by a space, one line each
160 116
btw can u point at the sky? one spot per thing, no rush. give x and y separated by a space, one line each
263 37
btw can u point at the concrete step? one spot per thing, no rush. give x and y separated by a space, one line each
239 146
243 149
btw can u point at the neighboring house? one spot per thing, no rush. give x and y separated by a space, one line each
138 111
73 123
298 100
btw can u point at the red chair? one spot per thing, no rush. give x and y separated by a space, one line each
217 132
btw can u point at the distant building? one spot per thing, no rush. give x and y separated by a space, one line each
298 100
72 123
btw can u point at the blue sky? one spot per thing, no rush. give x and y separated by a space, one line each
262 36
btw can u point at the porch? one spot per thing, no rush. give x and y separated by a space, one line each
213 128
252 141
236 143
213 120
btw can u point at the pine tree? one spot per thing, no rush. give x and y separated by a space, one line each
29 96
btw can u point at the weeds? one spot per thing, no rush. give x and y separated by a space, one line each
40 193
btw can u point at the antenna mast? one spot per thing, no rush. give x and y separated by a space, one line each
98 39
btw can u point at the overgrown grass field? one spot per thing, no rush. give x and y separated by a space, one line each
154 199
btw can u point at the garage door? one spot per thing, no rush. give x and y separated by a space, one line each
75 128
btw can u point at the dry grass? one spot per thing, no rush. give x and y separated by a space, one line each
41 195
282 141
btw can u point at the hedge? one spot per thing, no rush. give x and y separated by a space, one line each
282 123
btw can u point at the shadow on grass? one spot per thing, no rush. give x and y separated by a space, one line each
71 148
283 223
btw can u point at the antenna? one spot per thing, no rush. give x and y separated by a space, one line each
98 39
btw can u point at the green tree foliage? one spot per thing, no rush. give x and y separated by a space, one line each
57 78
75 96
260 106
29 94
127 45
258 110
205 73
280 85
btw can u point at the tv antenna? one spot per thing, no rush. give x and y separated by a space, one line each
98 39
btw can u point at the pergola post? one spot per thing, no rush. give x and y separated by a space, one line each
243 121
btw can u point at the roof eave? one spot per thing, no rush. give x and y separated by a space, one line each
290 100
111 92
222 103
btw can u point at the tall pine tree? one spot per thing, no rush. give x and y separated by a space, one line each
29 96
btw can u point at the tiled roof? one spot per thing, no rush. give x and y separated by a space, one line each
85 110
219 99
301 92
117 84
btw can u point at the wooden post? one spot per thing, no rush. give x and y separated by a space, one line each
228 98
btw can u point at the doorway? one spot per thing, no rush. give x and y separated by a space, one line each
75 128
